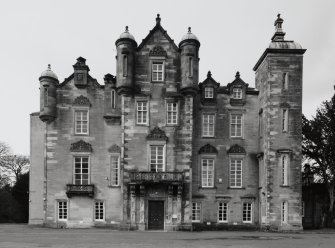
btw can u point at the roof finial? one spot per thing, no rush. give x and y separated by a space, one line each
189 30
279 34
127 29
158 19
209 74
237 74
49 67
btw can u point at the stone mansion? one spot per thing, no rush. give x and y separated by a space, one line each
153 147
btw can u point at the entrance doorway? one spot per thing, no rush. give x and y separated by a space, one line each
156 215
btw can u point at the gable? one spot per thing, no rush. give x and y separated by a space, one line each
157 32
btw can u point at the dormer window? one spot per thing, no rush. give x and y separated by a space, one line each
209 92
157 71
237 93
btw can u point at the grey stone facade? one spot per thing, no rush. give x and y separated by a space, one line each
154 148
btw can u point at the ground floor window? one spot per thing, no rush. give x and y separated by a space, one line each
99 210
62 210
284 212
247 212
223 212
196 211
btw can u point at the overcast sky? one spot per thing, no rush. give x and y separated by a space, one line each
233 35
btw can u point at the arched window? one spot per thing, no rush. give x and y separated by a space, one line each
125 65
113 99
46 98
190 67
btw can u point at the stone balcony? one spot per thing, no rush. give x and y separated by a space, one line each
156 177
80 190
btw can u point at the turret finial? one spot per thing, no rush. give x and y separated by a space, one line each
158 19
237 74
49 67
189 30
279 34
209 74
127 30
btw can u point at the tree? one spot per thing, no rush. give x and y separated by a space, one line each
319 148
4 152
14 165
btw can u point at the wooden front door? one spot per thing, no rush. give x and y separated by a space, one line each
156 215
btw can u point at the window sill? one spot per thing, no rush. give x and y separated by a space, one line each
236 188
204 188
171 125
82 134
114 186
237 137
208 137
143 125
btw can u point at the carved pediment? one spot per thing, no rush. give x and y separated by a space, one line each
158 51
157 134
236 149
237 83
114 149
81 146
208 149
209 81
82 101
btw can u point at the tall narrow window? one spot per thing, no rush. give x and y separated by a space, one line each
285 81
284 165
236 126
142 112
46 97
209 92
235 173
115 170
247 212
196 212
284 120
172 113
62 210
113 99
260 124
81 171
302 209
208 125
81 121
284 212
190 67
99 214
156 158
223 212
207 172
157 71
125 65
237 93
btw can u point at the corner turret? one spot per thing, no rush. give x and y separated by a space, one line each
189 46
48 99
126 46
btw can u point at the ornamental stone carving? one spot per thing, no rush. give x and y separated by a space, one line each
114 149
82 100
208 149
81 146
158 51
157 134
236 149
